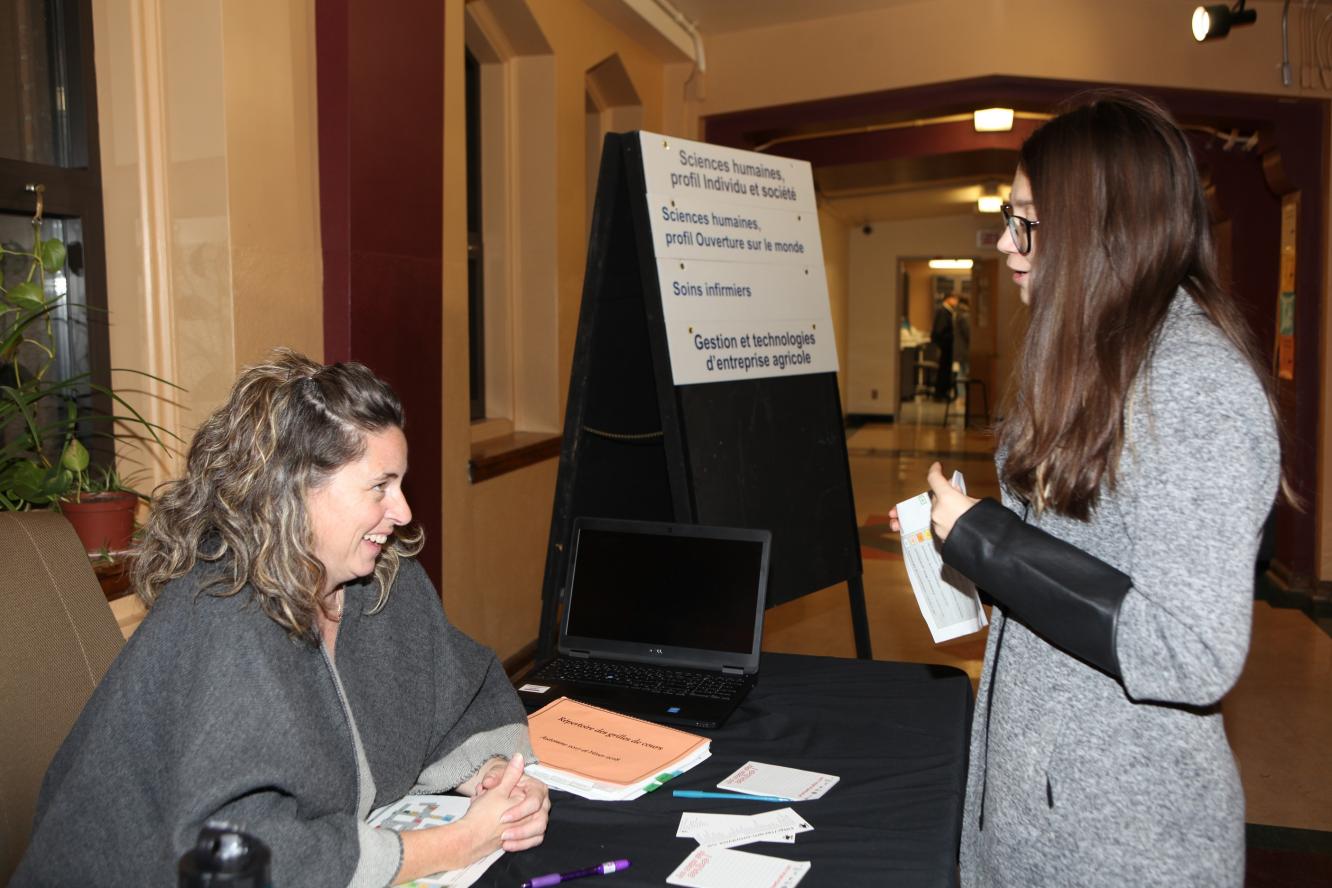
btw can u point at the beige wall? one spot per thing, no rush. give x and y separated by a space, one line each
833 232
272 177
210 191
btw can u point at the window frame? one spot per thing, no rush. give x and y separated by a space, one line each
74 192
476 254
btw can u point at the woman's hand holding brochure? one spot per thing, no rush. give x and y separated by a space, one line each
947 599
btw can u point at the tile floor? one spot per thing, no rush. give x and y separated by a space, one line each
1279 716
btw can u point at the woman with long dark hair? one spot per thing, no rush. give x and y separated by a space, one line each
1138 458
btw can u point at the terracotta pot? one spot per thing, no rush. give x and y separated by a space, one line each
103 521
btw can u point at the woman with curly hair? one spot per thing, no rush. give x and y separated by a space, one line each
295 669
1137 461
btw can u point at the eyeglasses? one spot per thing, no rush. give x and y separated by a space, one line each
1019 229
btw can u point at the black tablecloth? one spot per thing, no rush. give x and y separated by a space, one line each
896 733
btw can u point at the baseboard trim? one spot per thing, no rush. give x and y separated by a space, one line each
855 420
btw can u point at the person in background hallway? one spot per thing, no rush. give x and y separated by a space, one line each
1137 461
941 334
962 337
295 669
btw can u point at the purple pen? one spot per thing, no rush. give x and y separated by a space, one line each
610 866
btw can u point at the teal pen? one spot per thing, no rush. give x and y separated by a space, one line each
703 794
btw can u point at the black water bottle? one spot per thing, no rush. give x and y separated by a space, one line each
224 856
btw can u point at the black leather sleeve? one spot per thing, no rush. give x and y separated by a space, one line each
1066 596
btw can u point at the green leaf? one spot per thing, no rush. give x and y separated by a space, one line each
75 457
27 296
28 481
52 255
58 481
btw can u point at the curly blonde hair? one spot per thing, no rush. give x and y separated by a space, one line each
288 425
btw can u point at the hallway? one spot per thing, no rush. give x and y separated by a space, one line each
1278 717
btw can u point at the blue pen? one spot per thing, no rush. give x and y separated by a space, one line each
702 794
610 866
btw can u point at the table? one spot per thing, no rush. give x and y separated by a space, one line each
896 733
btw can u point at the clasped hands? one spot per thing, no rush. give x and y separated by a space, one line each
948 506
524 800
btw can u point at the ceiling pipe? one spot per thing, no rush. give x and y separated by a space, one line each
700 61
885 127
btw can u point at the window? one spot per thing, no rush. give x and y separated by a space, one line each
513 275
476 308
48 138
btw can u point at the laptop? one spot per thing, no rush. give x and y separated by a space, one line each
661 621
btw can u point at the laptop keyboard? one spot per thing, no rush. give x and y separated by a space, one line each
643 677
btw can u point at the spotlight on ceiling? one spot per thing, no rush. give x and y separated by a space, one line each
992 120
989 200
951 264
1215 22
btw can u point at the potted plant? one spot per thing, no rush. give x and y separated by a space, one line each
102 507
45 420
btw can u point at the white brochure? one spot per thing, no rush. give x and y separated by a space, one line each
423 812
948 600
710 867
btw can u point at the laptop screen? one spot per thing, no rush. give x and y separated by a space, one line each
667 585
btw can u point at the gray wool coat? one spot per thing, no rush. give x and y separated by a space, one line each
212 711
1090 780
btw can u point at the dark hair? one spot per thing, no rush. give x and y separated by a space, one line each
288 425
1124 226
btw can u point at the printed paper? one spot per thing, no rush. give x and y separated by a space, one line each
947 600
730 830
424 811
723 868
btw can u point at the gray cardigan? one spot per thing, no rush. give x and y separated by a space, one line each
1089 778
212 711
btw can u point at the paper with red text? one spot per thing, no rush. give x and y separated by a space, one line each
793 784
710 867
947 600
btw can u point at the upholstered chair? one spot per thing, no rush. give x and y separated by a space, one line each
57 638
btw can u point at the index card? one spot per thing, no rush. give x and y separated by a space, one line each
723 868
757 778
729 830
694 824
947 600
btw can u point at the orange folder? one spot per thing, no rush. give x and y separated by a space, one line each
601 745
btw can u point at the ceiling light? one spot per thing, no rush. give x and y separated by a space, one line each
989 200
992 120
1215 22
951 264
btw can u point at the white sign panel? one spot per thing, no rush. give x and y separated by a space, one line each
739 262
